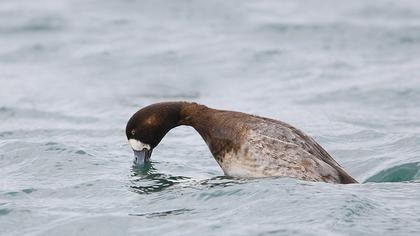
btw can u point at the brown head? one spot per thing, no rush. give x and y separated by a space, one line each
149 125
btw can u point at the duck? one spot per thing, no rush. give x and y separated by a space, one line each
244 145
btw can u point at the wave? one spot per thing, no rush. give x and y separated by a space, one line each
409 172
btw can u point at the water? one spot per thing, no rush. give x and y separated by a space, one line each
73 72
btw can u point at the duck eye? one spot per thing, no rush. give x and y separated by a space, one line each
133 132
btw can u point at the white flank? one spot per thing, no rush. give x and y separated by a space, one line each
137 145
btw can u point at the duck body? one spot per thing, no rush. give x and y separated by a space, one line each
246 145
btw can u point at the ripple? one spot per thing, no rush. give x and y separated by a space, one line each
357 207
4 211
46 23
384 97
35 52
146 180
22 113
20 134
28 190
58 148
266 55
164 213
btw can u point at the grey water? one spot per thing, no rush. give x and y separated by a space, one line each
72 72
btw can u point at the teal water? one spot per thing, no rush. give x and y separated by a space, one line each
73 72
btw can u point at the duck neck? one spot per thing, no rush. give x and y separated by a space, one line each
196 116
190 113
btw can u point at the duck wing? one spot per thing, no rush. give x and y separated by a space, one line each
288 134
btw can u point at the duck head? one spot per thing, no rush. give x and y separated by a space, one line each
149 125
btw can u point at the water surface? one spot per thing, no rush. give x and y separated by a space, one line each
73 72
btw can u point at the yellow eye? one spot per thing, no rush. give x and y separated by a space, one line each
133 132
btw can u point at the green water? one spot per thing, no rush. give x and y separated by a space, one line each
401 173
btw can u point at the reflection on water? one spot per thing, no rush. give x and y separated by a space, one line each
146 179
145 169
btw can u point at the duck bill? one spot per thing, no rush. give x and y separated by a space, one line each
140 157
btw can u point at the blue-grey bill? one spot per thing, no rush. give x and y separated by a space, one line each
140 157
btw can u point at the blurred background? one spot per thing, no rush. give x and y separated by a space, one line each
73 72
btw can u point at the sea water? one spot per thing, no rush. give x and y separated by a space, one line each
72 72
